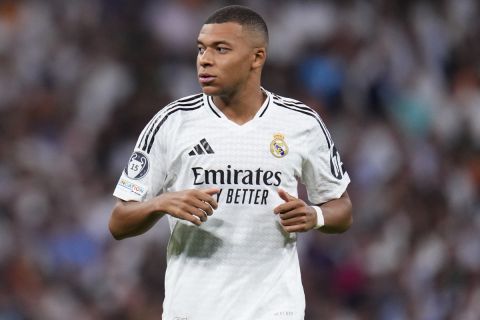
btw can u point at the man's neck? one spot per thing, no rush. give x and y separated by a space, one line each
242 106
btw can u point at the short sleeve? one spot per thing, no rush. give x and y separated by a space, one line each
145 172
323 172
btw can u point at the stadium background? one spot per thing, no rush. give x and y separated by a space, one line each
397 82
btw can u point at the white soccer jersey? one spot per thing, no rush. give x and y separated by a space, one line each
239 264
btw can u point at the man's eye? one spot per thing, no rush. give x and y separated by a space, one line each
201 50
222 49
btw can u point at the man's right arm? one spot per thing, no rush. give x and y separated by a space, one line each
132 218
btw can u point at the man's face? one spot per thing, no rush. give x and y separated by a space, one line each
225 57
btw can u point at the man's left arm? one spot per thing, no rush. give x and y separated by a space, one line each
298 216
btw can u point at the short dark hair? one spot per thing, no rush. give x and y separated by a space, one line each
244 16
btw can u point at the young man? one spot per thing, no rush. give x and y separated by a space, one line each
223 166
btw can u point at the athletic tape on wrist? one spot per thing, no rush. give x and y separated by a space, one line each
320 218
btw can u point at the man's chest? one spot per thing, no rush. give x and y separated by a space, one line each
265 148
258 158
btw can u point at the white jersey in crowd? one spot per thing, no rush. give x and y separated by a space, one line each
240 264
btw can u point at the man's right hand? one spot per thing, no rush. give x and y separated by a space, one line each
194 205
131 218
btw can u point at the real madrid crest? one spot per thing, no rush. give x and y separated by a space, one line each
278 146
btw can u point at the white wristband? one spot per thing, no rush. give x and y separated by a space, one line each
320 218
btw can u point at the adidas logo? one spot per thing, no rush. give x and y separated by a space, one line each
201 148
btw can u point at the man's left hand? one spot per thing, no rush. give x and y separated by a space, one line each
295 214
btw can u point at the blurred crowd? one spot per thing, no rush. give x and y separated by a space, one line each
397 83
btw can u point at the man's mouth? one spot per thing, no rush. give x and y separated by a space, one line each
205 78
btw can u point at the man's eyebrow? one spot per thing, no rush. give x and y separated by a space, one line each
215 43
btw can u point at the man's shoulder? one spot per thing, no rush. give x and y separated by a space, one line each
295 108
185 104
189 98
175 110
283 99
190 102
291 102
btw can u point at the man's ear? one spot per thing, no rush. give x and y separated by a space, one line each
260 55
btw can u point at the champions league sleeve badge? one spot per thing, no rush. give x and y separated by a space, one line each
278 146
137 166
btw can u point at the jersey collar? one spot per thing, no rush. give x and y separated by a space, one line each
219 114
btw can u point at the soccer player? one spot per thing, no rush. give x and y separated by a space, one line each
223 165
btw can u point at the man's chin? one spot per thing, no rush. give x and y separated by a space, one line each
211 91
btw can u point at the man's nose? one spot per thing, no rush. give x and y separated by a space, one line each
205 58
